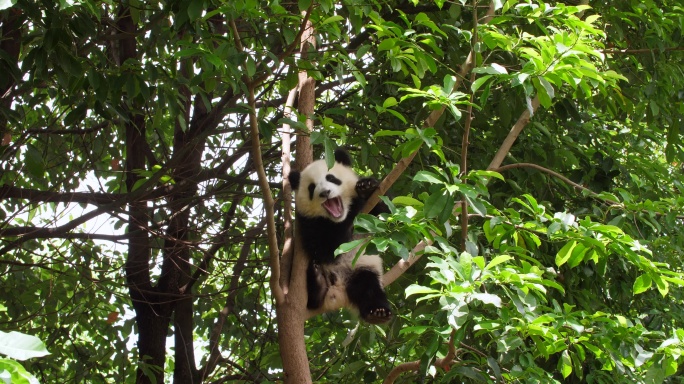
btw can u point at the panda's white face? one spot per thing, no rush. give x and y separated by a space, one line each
326 192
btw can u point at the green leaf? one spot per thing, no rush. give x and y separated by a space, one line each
485 173
449 81
304 4
383 133
17 373
390 102
478 82
386 45
415 289
642 284
408 201
477 206
347 247
427 177
662 285
436 204
565 364
332 19
488 298
498 260
542 94
397 115
20 346
493 69
195 9
34 161
565 253
577 256
251 66
418 330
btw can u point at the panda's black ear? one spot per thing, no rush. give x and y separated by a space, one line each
342 157
294 178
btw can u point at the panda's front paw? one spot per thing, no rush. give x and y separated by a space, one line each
378 315
366 186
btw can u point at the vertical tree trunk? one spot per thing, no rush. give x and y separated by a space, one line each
151 317
176 270
291 319
292 313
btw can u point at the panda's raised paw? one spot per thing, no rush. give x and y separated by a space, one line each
378 316
366 186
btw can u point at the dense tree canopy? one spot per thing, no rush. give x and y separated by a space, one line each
532 154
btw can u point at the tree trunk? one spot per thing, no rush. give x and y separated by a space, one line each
291 318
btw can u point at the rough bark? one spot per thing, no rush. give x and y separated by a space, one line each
152 318
292 310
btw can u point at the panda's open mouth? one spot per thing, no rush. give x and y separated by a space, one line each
334 207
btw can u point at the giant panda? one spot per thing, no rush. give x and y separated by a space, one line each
326 203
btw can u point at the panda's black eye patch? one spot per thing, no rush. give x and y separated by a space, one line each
333 179
312 187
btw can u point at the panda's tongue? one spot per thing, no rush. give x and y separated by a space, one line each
334 207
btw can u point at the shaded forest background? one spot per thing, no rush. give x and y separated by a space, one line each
532 152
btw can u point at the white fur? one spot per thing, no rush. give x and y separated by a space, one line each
315 173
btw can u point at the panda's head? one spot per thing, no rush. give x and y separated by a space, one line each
323 192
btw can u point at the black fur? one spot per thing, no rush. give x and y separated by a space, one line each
342 157
321 237
365 291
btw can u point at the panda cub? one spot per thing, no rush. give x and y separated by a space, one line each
326 203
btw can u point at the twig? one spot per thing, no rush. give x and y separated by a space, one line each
613 51
288 246
547 171
269 203
414 365
465 141
513 134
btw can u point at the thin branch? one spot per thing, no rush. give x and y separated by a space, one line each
465 140
29 233
548 172
35 196
614 51
269 203
572 183
513 134
288 243
414 365
403 265
83 131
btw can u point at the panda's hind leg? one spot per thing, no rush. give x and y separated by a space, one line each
316 286
365 292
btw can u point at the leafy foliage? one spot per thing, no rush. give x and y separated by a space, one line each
18 346
132 235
